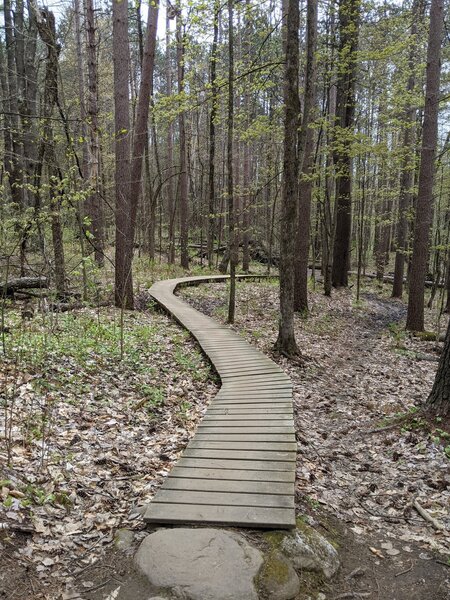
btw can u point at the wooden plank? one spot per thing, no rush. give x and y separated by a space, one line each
223 463
259 424
286 446
227 485
237 437
229 454
244 399
248 416
250 410
236 474
217 498
262 430
228 392
239 516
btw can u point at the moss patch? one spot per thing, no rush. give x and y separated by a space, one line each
274 569
274 539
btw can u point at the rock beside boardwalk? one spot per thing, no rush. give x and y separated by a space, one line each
202 564
309 550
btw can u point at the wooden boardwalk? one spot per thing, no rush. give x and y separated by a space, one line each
239 469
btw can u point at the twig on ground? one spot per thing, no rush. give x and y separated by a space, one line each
442 562
356 573
426 515
405 571
353 595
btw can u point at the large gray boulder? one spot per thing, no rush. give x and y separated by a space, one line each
201 564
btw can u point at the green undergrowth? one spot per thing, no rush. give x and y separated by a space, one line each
66 354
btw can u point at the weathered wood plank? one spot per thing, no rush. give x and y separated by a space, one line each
248 416
229 454
260 424
217 498
223 463
249 430
233 474
227 485
239 516
254 437
286 446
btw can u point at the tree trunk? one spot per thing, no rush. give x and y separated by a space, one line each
306 159
121 60
212 139
286 343
415 316
438 402
183 180
348 31
407 171
47 32
140 136
95 202
169 165
230 184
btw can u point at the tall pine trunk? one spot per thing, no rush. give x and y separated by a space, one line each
230 182
424 211
306 158
121 60
407 168
169 164
183 180
348 32
286 343
212 139
95 201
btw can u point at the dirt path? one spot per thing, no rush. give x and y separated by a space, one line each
359 483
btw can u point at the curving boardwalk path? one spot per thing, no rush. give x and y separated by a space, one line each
239 469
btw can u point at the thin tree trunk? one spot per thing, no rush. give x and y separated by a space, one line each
349 31
286 343
212 139
95 201
183 180
416 301
407 172
306 159
47 32
169 165
230 183
121 60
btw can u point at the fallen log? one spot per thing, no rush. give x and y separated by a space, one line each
7 288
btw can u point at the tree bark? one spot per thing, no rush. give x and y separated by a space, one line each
306 159
121 60
286 343
416 301
169 164
212 138
47 31
95 202
407 168
438 402
183 180
349 31
230 184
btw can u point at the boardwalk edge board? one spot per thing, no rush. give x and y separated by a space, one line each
239 468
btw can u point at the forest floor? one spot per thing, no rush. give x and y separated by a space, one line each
95 414
365 451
